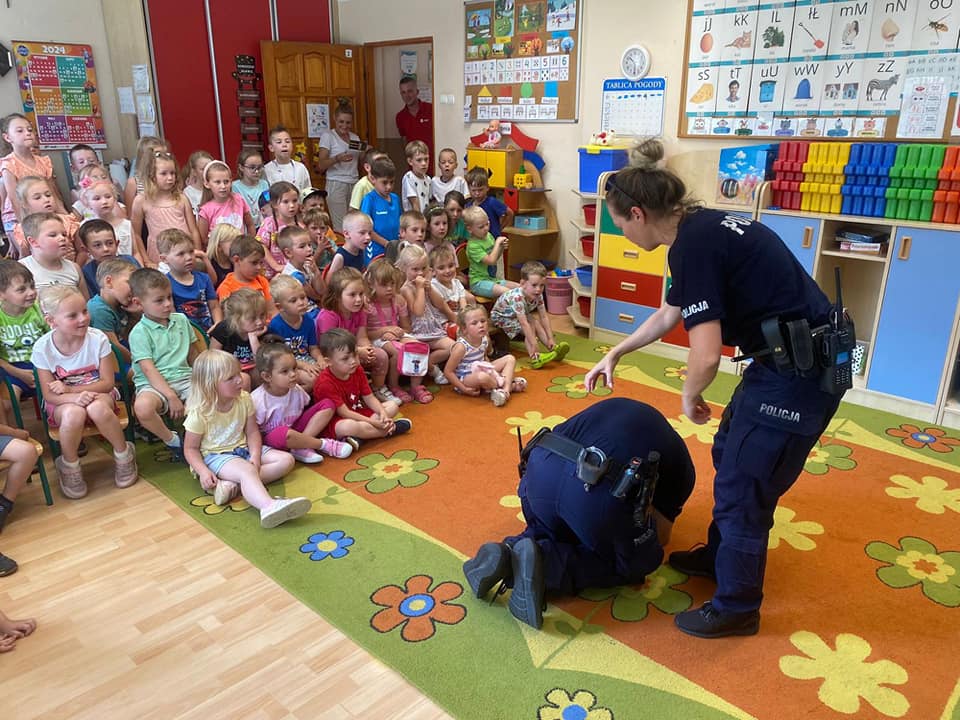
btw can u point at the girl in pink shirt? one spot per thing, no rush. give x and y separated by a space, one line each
284 210
220 204
344 306
18 143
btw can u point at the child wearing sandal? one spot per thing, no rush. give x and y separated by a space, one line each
76 369
468 369
427 323
222 443
286 415
388 325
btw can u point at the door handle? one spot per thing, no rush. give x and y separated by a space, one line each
628 286
623 317
807 237
905 242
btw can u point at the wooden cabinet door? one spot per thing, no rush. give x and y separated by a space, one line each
296 74
800 235
916 318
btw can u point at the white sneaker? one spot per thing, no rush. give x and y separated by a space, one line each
225 492
438 377
498 397
383 394
307 456
283 509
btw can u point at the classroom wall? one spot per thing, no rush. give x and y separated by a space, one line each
609 26
79 22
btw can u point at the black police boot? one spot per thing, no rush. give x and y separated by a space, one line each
490 565
526 601
708 622
699 562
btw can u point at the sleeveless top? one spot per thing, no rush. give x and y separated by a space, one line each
431 324
159 218
472 355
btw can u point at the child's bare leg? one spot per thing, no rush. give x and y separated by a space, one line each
358 429
505 366
536 322
482 380
274 464
390 409
392 377
499 289
377 366
147 409
440 350
7 402
242 473
70 420
103 416
22 456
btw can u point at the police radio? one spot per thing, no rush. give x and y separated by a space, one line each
836 342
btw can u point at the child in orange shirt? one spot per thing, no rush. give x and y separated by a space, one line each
247 255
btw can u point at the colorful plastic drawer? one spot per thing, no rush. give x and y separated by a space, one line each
502 164
626 286
679 336
619 317
618 252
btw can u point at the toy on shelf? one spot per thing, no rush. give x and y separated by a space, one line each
522 179
946 198
493 135
607 138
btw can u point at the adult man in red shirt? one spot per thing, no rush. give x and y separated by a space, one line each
415 120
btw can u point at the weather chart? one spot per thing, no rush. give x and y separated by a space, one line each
820 68
58 87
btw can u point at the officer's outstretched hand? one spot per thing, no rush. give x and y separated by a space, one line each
696 409
603 370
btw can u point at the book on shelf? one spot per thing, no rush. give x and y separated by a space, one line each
863 248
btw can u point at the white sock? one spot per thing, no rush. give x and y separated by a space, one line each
173 442
123 455
72 463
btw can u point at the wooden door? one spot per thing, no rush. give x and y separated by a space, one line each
296 74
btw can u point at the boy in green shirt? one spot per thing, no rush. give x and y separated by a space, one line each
162 348
21 325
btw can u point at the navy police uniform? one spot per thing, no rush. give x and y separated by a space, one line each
740 272
586 538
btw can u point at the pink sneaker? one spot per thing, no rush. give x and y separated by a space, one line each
307 456
71 479
337 449
126 473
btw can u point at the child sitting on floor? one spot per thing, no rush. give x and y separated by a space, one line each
244 322
297 331
388 325
223 446
468 369
286 415
76 370
521 313
427 323
358 412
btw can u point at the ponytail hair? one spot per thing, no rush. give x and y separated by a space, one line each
647 184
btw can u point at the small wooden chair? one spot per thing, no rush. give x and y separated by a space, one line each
39 468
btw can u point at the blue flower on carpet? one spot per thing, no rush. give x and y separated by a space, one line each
320 546
580 705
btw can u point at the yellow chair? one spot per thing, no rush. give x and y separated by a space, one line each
39 468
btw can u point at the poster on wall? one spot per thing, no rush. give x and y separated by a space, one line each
318 119
795 63
58 88
521 60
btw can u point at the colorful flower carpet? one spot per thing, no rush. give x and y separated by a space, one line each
862 596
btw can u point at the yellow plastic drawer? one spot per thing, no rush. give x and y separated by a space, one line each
619 253
502 164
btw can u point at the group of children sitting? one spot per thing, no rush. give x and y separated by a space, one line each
294 321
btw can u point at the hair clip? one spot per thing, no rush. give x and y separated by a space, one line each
85 183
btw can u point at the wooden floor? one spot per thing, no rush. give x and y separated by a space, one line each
142 613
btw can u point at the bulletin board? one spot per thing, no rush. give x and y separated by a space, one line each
825 69
522 60
58 87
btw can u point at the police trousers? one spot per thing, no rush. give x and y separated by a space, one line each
765 436
586 538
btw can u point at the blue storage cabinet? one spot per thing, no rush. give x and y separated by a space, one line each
620 317
801 235
916 318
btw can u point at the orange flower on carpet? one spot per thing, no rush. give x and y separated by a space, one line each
931 437
416 608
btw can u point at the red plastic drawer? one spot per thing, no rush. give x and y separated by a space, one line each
631 287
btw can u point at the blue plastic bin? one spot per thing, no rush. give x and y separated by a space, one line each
585 276
594 161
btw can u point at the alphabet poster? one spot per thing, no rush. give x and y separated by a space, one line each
58 87
809 68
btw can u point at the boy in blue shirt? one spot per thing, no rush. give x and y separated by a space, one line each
193 292
500 215
383 207
108 307
299 334
100 240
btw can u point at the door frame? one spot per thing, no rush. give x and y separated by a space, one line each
370 81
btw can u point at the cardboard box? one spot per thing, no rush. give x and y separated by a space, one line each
741 170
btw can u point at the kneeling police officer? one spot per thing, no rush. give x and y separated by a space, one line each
600 494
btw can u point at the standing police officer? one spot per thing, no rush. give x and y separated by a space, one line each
732 278
593 519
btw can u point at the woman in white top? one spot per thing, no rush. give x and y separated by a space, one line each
339 161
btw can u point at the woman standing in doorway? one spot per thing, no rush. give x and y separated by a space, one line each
338 160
